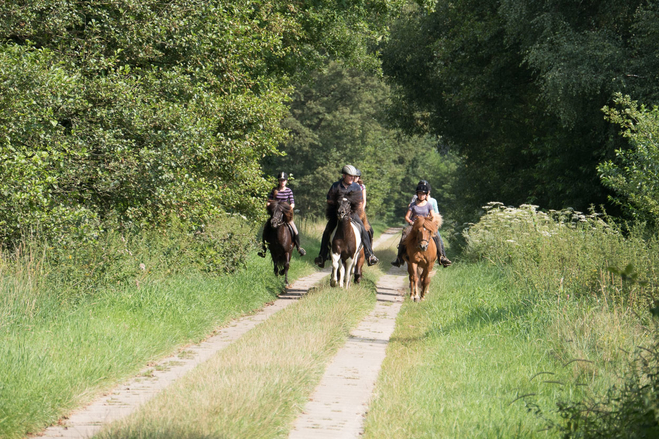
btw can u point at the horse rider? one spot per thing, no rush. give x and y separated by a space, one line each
345 184
361 184
422 204
282 193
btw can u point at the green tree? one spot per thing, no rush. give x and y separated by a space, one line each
634 175
515 87
128 112
339 117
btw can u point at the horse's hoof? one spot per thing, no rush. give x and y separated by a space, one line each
417 300
332 283
262 254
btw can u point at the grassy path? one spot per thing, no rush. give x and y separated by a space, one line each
257 386
338 404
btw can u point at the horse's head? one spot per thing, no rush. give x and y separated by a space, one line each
280 212
424 229
344 209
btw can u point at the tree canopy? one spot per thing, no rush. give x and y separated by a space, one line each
516 86
128 112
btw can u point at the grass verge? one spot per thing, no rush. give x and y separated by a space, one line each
63 358
479 354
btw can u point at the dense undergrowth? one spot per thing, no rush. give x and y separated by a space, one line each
601 285
75 320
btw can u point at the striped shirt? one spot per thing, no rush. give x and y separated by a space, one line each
285 194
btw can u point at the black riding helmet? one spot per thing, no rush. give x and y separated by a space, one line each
282 176
423 188
424 182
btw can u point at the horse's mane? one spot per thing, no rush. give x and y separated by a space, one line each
354 198
286 209
432 222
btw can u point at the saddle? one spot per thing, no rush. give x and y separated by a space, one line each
290 229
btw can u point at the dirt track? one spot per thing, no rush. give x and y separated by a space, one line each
336 408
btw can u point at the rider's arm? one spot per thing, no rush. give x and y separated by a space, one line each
291 199
364 198
408 215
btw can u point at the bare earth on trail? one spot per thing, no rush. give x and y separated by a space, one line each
337 407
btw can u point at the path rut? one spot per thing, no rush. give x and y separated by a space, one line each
336 408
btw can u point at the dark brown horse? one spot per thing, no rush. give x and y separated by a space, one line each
278 238
346 244
421 254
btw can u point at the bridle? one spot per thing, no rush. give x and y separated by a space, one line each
344 208
423 240
277 217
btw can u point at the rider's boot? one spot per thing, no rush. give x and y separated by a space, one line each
300 250
399 257
444 261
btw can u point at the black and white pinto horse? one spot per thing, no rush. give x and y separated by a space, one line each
346 243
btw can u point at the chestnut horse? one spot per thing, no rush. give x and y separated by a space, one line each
346 244
278 236
421 254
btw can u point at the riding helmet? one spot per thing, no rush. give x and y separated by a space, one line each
424 188
349 170
282 176
424 182
359 173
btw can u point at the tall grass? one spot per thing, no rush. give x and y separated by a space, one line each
600 284
545 314
76 320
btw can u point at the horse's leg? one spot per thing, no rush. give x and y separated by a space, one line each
349 270
411 271
425 281
286 265
342 274
336 264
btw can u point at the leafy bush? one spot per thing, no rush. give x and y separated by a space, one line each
565 252
38 274
598 283
634 176
129 113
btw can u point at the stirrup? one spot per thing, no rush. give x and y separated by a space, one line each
301 251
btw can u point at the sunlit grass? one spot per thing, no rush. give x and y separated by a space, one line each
257 386
457 362
57 354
